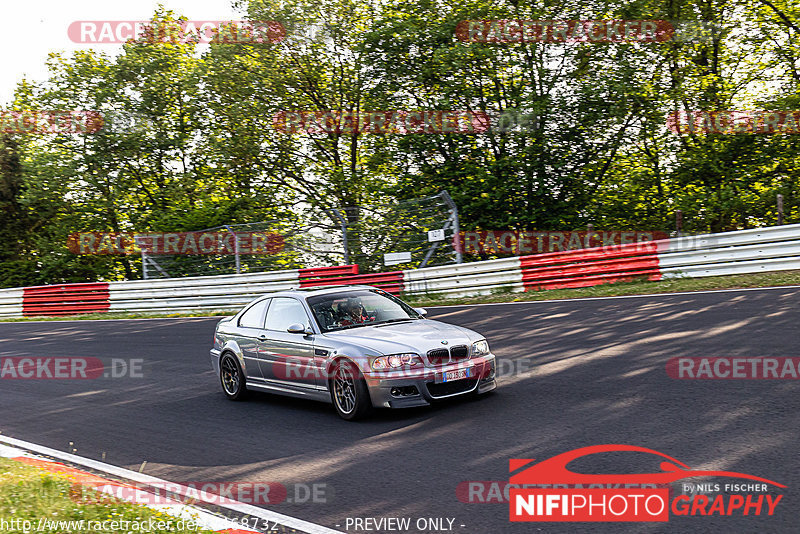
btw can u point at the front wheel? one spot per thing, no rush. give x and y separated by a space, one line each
232 378
349 391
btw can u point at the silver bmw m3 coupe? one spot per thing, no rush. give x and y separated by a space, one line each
357 347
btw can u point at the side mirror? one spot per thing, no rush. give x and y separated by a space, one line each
422 311
297 328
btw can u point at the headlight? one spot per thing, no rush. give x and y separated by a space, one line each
393 361
480 348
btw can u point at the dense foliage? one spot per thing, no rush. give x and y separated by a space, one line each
190 143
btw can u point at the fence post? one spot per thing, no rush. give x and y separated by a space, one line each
780 210
456 231
679 222
235 249
144 265
343 225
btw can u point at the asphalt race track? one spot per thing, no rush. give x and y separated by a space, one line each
577 373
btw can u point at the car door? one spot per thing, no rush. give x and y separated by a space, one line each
284 357
251 329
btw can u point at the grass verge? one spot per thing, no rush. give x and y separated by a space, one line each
31 498
674 285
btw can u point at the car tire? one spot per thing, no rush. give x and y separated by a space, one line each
232 378
349 392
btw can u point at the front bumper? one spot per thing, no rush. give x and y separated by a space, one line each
383 386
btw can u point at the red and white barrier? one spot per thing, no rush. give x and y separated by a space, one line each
590 267
745 251
348 275
65 299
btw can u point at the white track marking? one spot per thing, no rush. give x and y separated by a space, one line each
248 509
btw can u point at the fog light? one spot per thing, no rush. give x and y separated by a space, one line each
488 373
404 391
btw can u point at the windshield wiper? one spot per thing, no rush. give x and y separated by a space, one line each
390 321
356 325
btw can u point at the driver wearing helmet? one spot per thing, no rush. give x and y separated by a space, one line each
352 312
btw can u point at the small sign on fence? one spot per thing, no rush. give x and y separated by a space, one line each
393 258
435 235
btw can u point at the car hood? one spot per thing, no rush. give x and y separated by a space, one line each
418 336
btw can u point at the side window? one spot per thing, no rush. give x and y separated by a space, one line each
254 316
285 312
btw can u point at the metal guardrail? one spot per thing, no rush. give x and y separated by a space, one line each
477 278
11 302
65 299
223 292
589 267
740 252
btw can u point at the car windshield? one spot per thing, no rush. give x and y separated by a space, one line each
360 307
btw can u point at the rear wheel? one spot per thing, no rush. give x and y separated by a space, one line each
349 391
232 378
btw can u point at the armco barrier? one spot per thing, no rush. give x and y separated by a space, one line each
65 299
745 251
476 278
346 275
776 248
11 302
323 273
223 292
591 266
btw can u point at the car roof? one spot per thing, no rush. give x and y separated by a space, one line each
306 292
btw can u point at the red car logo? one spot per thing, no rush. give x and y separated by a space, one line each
554 470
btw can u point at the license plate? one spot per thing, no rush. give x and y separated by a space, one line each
458 374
